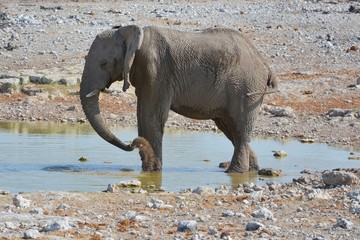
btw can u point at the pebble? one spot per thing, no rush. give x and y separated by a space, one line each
187 226
157 203
55 225
228 213
263 213
32 234
343 223
254 226
204 190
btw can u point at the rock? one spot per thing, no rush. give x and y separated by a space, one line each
83 159
4 192
355 208
263 213
336 178
336 112
187 226
47 80
271 172
228 213
279 111
279 153
358 81
317 194
140 218
343 223
37 211
354 158
32 234
113 187
204 191
69 81
156 203
55 225
224 164
21 202
35 79
307 140
354 195
254 226
63 206
302 180
9 85
130 184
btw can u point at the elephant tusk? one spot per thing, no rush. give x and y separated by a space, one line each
93 93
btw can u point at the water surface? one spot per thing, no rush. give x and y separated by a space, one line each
44 156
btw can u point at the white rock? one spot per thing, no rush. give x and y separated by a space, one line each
62 224
139 218
32 234
69 81
317 194
279 111
204 191
263 213
156 203
21 202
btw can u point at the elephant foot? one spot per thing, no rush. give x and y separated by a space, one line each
254 167
224 164
237 168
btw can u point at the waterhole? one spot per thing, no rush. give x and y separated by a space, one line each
45 157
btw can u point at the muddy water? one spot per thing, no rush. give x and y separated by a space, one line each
43 156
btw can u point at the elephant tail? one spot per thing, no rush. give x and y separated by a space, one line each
271 86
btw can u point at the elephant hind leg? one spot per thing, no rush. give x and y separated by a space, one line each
240 160
246 158
253 165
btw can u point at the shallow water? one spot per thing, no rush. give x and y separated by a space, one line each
44 156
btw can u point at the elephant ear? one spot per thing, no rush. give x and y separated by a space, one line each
132 36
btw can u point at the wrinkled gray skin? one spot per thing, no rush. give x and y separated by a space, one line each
211 74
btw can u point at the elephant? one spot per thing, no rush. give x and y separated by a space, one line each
147 155
214 73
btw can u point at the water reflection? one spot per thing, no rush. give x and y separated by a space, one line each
45 156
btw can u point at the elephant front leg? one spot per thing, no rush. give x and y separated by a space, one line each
151 122
240 160
154 137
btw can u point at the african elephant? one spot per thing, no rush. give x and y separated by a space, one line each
210 74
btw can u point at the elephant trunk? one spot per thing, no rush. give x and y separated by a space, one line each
90 105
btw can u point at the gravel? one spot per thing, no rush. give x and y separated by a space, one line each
312 46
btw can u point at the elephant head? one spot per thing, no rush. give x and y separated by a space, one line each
110 58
